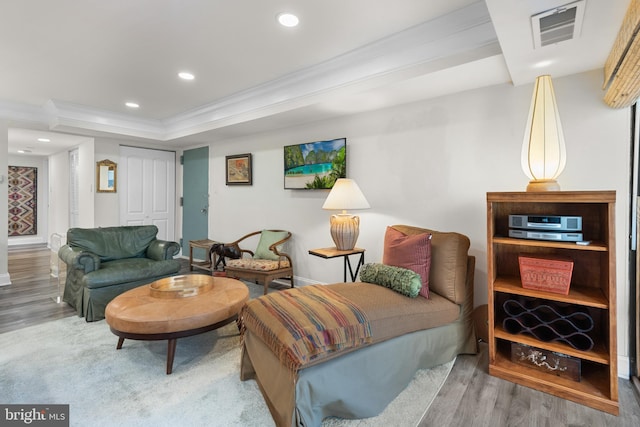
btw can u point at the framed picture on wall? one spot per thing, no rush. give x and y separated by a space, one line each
238 169
315 165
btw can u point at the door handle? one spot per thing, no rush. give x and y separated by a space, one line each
203 210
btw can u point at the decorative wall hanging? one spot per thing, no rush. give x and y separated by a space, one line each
238 169
315 165
23 201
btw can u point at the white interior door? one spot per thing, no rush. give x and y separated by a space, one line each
147 187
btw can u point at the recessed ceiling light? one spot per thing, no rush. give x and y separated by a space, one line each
542 64
24 151
132 105
44 140
186 76
288 19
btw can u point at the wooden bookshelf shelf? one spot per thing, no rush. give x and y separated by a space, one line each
592 291
582 295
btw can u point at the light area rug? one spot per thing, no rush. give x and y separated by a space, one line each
69 361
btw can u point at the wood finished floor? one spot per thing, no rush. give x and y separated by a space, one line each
469 397
30 299
472 397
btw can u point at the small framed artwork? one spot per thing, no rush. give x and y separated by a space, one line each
238 169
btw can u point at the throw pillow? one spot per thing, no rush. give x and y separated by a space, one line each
409 251
397 279
268 238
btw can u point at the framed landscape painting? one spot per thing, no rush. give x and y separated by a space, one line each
315 165
238 169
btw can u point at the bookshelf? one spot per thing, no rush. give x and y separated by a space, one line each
592 291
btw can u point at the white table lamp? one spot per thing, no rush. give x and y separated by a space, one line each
345 228
543 151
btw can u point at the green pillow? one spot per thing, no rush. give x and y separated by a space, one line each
397 279
268 238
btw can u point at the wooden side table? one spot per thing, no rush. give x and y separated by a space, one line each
327 253
205 244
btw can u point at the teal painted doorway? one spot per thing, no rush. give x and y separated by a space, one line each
195 202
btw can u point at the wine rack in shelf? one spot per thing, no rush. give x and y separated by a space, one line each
592 291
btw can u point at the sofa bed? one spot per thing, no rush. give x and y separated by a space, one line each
401 335
104 262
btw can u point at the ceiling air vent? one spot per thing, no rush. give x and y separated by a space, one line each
558 25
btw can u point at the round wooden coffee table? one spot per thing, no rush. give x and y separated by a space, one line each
175 307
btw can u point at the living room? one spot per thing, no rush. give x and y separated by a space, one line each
426 162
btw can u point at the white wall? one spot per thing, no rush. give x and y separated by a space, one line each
58 216
4 197
43 198
107 212
59 193
107 205
87 184
430 164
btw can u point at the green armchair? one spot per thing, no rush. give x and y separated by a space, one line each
104 262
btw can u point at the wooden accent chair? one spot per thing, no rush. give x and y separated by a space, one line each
267 263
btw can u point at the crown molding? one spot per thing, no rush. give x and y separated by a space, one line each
403 55
63 116
22 112
427 47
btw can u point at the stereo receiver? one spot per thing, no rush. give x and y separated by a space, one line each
546 222
546 235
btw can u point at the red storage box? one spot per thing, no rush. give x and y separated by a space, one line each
547 274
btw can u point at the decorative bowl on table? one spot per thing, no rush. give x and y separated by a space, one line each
182 286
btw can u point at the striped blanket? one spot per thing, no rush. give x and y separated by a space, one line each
300 324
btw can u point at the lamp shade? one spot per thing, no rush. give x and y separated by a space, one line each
345 228
543 150
345 195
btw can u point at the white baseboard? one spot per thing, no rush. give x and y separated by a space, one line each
5 280
623 367
17 241
299 282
